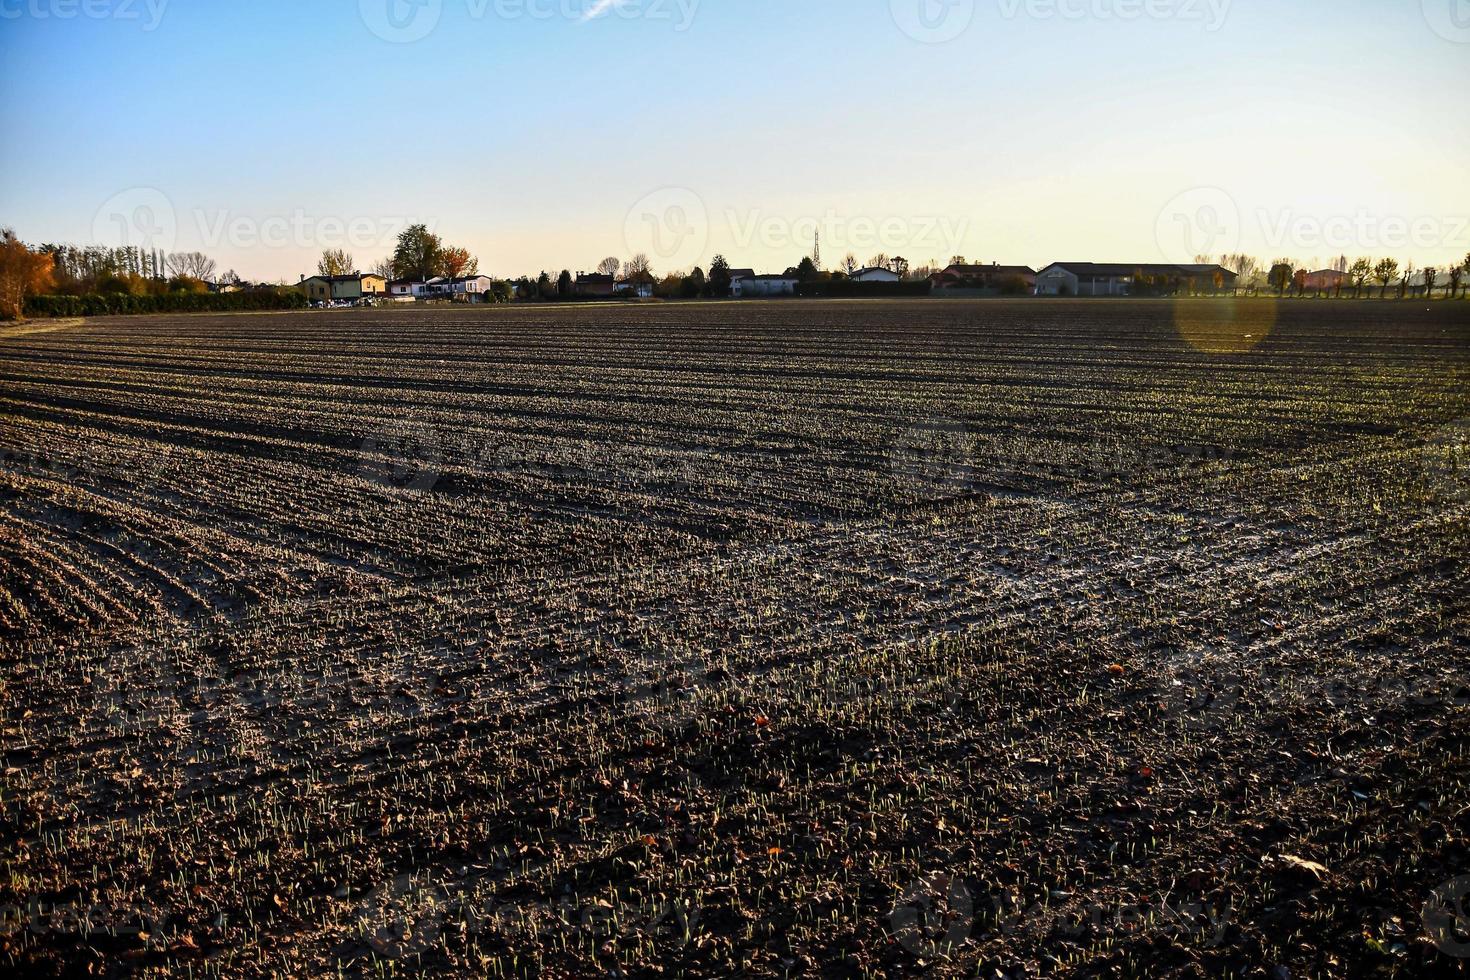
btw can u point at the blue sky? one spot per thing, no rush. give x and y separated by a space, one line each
539 137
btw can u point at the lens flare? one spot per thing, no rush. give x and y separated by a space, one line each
1224 326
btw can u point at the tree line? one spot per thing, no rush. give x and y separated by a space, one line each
696 283
420 255
1358 277
106 278
632 272
61 280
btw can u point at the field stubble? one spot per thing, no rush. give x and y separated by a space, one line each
828 639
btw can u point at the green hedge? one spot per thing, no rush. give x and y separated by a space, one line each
114 304
843 288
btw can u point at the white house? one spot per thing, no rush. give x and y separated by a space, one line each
642 290
472 288
779 285
875 274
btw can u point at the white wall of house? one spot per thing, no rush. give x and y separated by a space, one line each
469 286
439 286
1058 281
875 275
1055 281
1108 286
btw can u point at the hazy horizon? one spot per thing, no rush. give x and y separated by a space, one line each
547 134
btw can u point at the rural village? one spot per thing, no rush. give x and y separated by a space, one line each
58 280
544 563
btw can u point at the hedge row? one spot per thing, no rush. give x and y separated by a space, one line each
846 288
111 304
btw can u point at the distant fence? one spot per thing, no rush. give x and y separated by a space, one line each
115 304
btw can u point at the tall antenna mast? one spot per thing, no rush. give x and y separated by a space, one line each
817 252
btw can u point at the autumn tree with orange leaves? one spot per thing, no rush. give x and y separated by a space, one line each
458 262
23 273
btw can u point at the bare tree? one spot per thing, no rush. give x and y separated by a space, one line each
636 268
335 262
384 268
1431 276
849 263
1246 268
609 266
191 265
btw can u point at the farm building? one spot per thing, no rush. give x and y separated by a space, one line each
1129 279
875 274
1324 280
770 285
594 284
337 289
995 278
